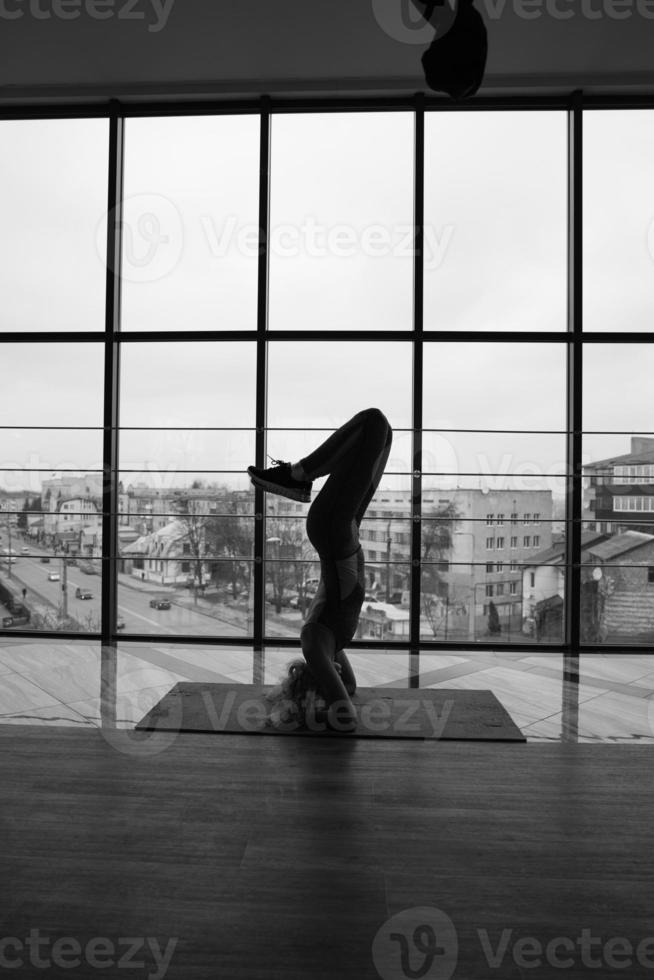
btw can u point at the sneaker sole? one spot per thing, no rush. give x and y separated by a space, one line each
281 491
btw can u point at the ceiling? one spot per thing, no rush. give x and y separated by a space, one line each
60 50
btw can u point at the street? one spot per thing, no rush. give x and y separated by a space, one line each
183 617
133 605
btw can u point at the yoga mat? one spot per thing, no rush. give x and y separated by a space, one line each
418 713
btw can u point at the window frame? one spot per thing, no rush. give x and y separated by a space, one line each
574 105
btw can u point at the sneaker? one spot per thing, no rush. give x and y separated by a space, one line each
278 479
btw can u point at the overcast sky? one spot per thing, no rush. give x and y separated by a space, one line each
341 213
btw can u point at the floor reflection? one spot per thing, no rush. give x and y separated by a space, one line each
597 697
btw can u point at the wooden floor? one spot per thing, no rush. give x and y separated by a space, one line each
260 859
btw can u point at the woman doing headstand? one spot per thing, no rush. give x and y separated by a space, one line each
354 457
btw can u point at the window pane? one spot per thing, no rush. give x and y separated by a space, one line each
495 221
53 201
323 384
313 388
341 221
618 214
186 508
191 216
493 504
617 597
50 484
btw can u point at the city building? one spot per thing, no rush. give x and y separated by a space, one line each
489 536
617 582
620 494
543 585
166 556
70 505
12 503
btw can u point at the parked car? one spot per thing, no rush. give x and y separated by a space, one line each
159 604
70 561
20 615
87 568
24 550
8 621
53 576
45 560
83 593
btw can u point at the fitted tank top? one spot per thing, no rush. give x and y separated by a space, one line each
340 596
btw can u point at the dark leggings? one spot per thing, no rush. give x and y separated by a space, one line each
355 457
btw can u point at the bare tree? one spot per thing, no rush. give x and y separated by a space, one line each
287 545
194 520
437 530
230 538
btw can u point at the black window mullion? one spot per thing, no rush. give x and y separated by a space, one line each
418 303
109 587
575 377
257 578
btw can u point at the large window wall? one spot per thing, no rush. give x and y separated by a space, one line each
185 294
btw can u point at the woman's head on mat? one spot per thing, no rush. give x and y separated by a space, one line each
297 695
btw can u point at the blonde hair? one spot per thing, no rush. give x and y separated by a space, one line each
296 697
